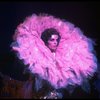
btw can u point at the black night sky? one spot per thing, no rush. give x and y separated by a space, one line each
85 15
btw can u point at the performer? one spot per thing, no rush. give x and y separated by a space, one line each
58 54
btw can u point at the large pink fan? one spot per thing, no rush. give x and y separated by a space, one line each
72 60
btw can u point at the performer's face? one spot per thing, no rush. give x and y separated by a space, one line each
53 43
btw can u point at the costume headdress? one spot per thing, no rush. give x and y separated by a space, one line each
74 61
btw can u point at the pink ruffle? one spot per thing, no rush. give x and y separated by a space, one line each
72 58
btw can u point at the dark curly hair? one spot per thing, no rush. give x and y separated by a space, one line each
47 33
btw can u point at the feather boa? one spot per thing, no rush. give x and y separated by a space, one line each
73 59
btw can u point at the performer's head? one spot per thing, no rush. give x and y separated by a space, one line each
51 38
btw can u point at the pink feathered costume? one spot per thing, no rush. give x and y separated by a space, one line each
73 61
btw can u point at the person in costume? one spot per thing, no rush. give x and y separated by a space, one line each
58 54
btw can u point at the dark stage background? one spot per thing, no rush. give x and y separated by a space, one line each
85 15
